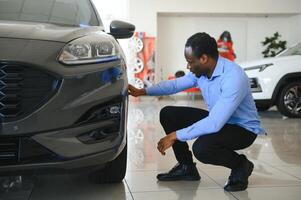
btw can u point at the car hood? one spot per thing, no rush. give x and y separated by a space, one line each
44 31
266 61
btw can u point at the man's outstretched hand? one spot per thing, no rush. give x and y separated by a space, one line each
135 91
166 142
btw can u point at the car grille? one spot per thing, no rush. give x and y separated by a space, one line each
23 150
23 89
9 149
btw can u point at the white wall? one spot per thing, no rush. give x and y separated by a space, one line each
247 33
148 16
143 13
295 29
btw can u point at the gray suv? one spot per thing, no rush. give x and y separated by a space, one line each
63 89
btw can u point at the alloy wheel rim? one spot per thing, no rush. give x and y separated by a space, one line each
292 100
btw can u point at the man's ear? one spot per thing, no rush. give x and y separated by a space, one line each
204 59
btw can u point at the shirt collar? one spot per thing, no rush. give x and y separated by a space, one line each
219 68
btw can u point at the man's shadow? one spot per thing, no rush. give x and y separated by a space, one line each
182 193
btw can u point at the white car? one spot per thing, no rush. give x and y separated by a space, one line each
277 81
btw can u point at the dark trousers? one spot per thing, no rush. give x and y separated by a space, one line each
216 148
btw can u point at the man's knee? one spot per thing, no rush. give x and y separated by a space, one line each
164 114
202 150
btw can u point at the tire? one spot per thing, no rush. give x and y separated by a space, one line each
262 108
114 171
289 101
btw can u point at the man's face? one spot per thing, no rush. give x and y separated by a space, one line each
196 65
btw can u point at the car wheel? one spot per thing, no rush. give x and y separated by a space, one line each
262 108
289 102
114 171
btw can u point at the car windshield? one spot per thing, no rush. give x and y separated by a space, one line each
295 50
66 12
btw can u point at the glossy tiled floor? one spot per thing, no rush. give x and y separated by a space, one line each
277 173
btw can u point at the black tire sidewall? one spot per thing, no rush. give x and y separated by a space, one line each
280 102
114 171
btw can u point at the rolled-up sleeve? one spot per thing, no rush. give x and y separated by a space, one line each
234 87
172 86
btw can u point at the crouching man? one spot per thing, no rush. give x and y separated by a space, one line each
231 124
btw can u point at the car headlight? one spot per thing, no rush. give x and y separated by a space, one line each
260 67
90 49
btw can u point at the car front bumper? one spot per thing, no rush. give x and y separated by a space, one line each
56 116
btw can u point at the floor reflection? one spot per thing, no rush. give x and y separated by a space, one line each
16 187
277 172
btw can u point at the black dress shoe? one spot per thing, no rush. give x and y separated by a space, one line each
238 179
181 172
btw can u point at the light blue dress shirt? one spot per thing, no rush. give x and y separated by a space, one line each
227 95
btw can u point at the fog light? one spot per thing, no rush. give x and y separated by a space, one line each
114 110
101 113
255 86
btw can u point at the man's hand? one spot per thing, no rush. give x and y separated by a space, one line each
135 91
166 142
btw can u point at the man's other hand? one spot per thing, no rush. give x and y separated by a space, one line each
166 142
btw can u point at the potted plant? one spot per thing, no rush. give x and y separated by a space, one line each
273 45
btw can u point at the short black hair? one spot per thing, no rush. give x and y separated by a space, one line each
202 43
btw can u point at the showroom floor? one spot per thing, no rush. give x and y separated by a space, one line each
277 173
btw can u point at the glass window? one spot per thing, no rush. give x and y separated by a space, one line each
67 12
295 50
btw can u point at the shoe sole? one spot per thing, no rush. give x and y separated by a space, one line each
251 168
180 179
238 189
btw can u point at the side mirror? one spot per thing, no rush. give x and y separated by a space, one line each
121 30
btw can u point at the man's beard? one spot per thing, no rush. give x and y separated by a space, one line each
199 71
